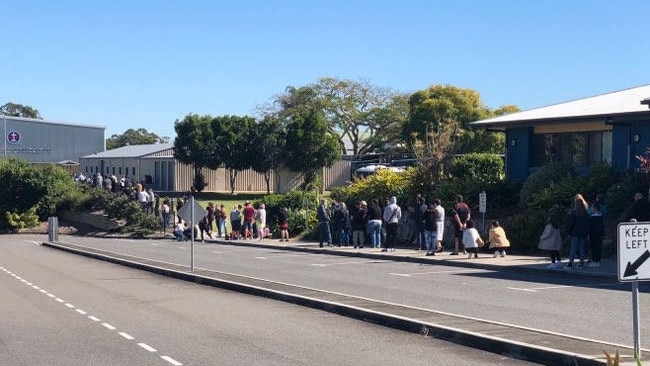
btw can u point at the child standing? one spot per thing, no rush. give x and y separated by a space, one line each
551 241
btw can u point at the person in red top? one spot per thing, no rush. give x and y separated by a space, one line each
249 216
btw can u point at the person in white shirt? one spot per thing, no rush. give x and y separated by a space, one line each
471 239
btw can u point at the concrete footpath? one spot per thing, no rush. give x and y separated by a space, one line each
534 345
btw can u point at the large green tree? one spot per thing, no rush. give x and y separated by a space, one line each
195 145
310 145
19 110
134 137
267 146
233 143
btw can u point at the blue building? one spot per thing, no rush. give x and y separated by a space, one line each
609 128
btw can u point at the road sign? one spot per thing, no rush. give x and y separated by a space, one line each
482 202
633 251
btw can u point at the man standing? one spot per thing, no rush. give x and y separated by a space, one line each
640 208
392 215
249 216
323 217
440 224
460 214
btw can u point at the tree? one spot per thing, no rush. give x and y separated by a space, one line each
233 143
348 105
195 145
266 146
310 145
19 110
134 137
385 126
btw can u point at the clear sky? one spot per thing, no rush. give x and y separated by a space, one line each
143 63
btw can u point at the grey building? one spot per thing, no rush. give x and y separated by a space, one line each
41 141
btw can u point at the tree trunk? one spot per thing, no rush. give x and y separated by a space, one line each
233 179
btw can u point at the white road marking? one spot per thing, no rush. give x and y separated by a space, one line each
80 311
147 347
35 287
51 295
42 291
537 289
260 257
340 263
437 272
23 280
18 278
93 318
521 289
108 326
59 300
28 283
126 335
69 305
171 360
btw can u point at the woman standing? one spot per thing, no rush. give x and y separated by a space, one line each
260 221
578 230
374 223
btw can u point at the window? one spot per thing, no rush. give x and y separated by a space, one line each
120 170
578 149
133 172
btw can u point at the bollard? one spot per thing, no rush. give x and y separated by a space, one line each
53 229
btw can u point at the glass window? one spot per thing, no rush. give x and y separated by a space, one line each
579 149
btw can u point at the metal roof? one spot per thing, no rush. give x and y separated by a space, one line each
44 121
621 102
131 151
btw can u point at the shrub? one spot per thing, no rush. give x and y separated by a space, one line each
542 179
57 183
21 187
17 221
481 168
383 184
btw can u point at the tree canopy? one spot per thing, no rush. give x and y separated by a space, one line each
19 110
134 137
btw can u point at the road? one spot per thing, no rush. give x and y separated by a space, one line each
582 307
62 309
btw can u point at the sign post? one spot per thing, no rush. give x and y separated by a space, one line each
482 206
633 266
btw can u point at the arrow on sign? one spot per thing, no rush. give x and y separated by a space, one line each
630 269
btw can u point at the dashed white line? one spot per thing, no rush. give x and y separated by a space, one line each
171 360
93 318
339 263
126 335
437 272
147 347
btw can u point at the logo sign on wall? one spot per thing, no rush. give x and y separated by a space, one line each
13 137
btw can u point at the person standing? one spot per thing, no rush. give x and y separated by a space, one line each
578 229
343 224
596 234
283 221
440 225
359 223
551 241
324 234
235 222
460 214
222 216
260 221
498 240
249 216
374 223
392 215
211 217
429 218
166 214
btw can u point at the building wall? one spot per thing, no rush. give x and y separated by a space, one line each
47 142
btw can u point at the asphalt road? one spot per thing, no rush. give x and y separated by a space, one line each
582 307
62 309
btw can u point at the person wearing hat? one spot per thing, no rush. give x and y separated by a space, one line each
249 216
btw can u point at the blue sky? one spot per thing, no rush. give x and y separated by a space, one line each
131 64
